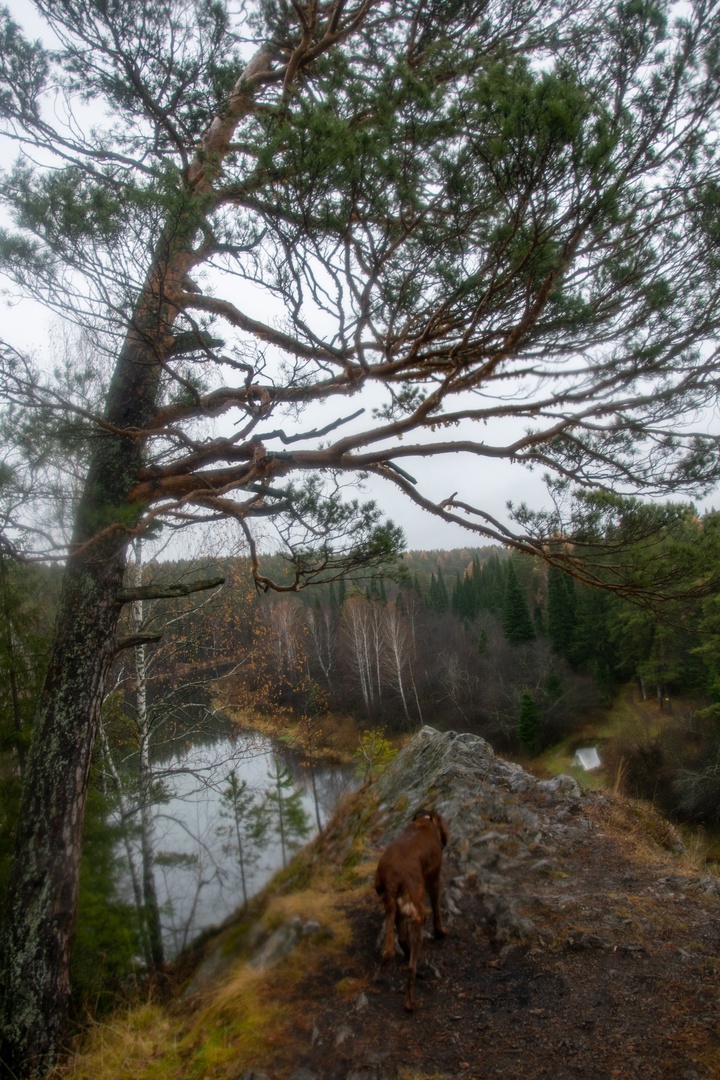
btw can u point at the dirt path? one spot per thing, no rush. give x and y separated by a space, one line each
621 981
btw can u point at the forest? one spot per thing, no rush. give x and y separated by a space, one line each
473 639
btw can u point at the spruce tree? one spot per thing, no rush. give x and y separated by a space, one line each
560 613
458 598
245 829
442 599
528 727
432 601
517 622
491 586
282 811
594 646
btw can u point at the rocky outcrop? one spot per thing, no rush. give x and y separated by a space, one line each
501 818
499 815
565 910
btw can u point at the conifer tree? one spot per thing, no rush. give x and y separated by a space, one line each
517 622
245 829
529 723
441 599
282 811
457 599
561 618
491 586
593 646
432 596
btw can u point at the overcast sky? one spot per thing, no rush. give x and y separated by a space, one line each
487 484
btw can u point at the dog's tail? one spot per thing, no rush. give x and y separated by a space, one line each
406 906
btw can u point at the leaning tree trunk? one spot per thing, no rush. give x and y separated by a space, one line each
43 886
42 894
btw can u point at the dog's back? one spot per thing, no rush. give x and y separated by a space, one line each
407 861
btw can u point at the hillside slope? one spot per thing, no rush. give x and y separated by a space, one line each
581 944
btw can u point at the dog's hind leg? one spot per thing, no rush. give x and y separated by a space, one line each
433 888
414 936
390 917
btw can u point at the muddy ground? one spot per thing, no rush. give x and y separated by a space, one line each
621 980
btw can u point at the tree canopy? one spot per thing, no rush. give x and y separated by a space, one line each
475 212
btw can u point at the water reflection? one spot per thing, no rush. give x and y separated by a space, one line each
198 883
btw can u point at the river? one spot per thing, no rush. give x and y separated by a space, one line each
197 880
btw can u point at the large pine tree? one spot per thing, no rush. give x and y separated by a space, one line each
430 215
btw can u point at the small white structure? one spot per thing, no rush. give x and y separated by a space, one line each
588 758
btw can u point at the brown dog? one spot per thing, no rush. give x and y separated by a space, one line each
407 868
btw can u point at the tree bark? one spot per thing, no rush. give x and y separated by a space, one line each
151 907
43 887
12 671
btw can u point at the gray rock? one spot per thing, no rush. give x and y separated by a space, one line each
279 945
215 964
545 866
580 941
561 787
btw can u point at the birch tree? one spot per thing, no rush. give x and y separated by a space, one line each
399 656
360 627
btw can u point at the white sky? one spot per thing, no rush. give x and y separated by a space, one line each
487 484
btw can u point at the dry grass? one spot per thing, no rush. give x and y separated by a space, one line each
338 735
135 1043
324 905
248 1013
640 829
238 1022
245 1016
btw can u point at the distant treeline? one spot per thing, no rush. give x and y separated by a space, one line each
470 637
475 638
